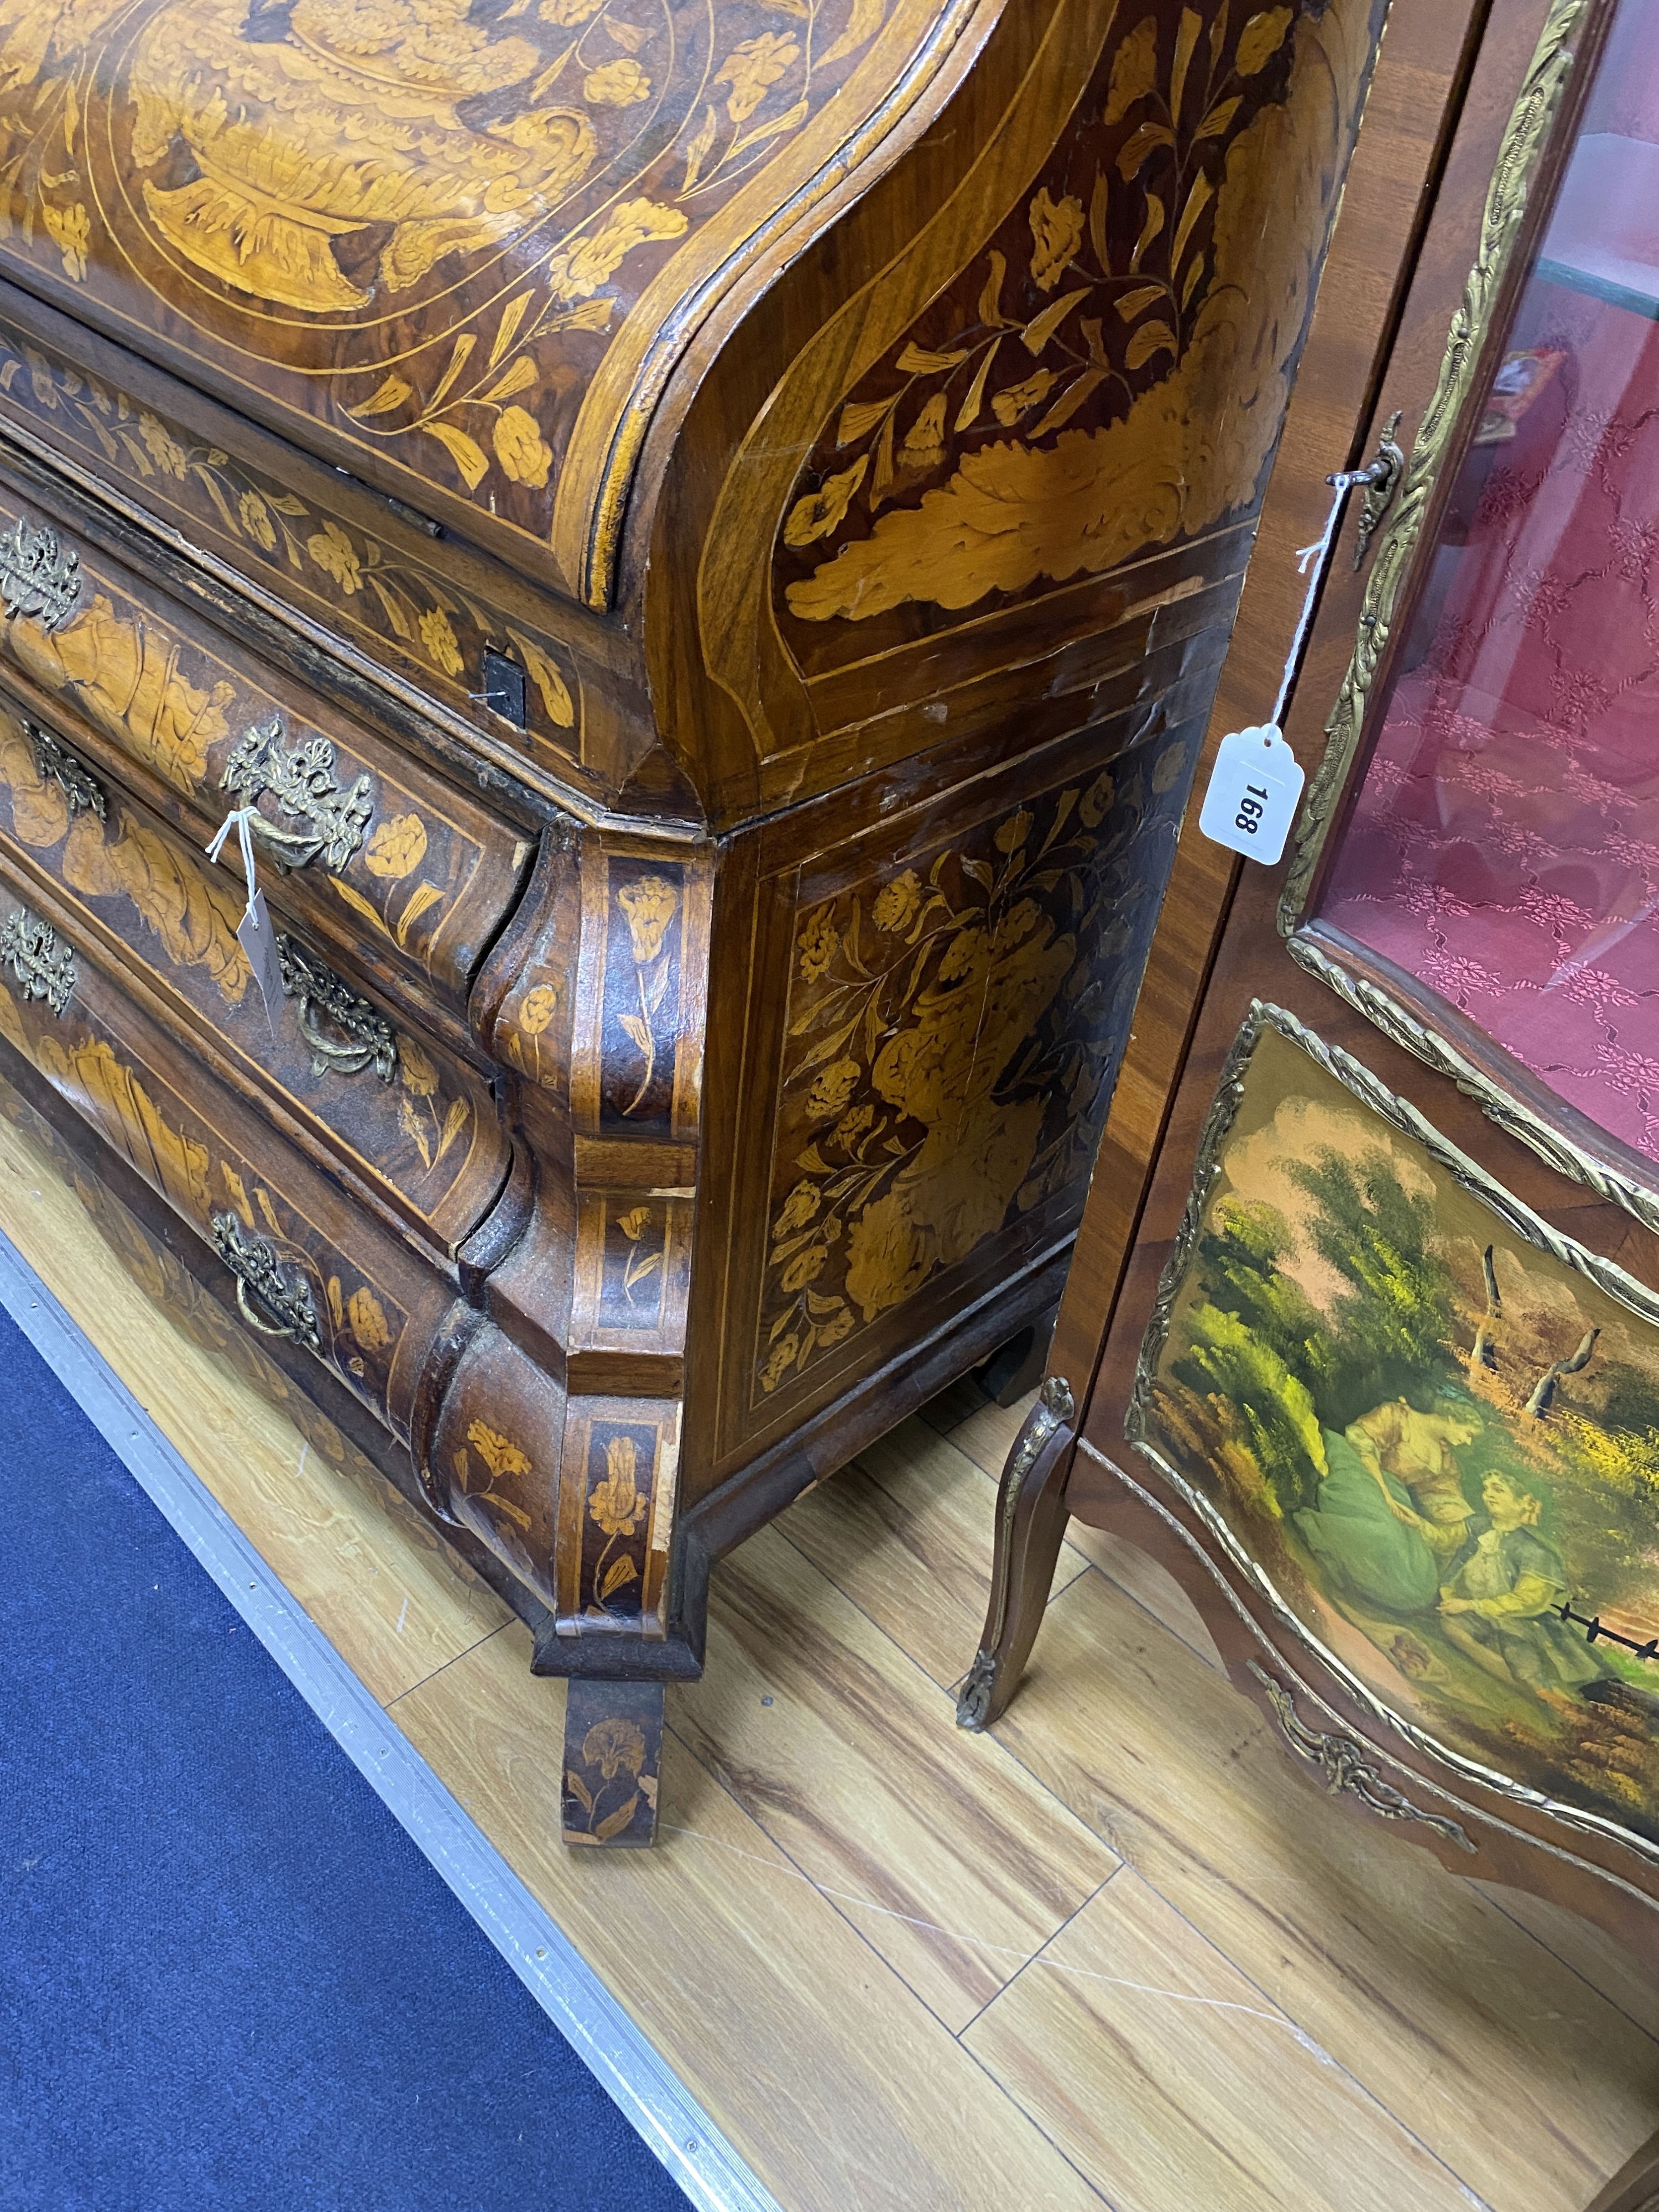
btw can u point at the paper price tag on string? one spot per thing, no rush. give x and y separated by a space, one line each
254 933
1255 787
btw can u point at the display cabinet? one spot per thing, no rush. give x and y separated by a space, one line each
1363 1338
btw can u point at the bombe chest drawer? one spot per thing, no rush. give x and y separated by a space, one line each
699 544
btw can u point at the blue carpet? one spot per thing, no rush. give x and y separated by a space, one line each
227 1976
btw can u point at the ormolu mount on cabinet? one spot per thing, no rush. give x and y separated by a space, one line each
710 556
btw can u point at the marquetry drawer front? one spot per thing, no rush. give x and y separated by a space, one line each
310 1266
377 852
1426 1419
399 608
399 1118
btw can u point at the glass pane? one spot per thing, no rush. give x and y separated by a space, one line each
1504 848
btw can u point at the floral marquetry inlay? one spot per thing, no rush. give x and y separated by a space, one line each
423 221
498 1460
610 1771
616 1506
1109 372
953 1025
627 1461
404 608
357 1327
189 910
642 991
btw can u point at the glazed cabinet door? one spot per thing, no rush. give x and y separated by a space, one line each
1382 1377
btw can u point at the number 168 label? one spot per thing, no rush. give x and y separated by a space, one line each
1254 788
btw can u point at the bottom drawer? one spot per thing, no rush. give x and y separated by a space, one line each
309 1265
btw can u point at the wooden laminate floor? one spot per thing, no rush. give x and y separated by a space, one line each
1116 1954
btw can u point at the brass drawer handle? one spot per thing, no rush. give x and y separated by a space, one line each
301 781
44 967
284 1292
371 1039
55 763
39 578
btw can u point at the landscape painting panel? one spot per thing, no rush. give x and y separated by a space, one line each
1431 1434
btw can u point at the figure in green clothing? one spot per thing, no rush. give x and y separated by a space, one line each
1391 1513
1355 1337
1499 1605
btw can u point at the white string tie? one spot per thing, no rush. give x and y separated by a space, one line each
242 818
1313 557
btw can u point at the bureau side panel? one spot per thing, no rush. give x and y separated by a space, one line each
1051 404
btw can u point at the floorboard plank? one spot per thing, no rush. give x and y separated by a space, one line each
1152 1586
1606 1965
824 2070
1505 2062
954 1865
1159 2069
988 1435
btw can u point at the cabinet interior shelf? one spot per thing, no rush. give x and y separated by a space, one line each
1629 284
1601 240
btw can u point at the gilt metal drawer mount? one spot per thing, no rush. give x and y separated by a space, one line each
367 1039
282 1292
44 967
301 780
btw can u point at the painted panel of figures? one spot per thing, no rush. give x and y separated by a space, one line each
1438 1438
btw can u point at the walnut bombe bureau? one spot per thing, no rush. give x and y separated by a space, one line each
706 533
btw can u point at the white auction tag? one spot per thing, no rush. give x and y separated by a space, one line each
253 932
258 940
1255 787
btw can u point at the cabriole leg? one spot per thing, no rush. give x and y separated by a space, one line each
1030 1524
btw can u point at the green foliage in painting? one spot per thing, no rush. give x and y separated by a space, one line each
1278 1369
1610 1510
1396 1324
1257 1345
1239 1258
1280 1428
